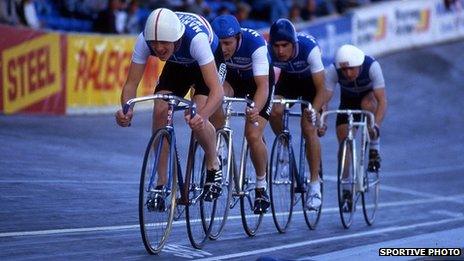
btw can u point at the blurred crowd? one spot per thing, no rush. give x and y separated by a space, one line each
129 16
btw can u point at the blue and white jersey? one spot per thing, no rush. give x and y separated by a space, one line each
251 56
307 57
370 77
198 34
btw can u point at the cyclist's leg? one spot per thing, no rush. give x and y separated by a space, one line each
169 82
369 103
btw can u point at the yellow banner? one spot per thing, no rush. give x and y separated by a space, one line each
97 68
31 72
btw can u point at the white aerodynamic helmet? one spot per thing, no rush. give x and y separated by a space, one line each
349 56
163 25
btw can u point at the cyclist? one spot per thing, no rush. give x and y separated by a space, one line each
362 87
187 44
302 75
248 73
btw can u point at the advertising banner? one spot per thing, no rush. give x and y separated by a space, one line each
31 65
330 34
449 22
97 70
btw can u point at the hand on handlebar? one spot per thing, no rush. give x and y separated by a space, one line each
321 130
122 119
252 115
311 115
374 133
196 123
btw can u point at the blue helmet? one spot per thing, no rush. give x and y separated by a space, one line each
226 26
282 30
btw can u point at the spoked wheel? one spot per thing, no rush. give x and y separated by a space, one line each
370 195
250 220
346 183
312 215
200 213
157 192
281 183
223 201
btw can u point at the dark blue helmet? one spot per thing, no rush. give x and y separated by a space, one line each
226 26
282 30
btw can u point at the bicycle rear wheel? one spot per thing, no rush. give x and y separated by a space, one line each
200 213
346 182
250 220
157 192
282 182
370 195
223 201
312 216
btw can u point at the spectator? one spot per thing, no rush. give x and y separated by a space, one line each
106 20
8 12
134 24
27 14
295 14
198 7
243 12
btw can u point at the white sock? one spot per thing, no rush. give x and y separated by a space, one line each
315 186
261 181
375 144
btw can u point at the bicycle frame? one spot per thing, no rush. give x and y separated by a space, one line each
174 104
299 172
365 139
229 112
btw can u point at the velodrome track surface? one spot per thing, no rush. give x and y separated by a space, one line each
69 185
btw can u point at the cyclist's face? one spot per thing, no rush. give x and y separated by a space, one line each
351 73
228 46
283 50
163 50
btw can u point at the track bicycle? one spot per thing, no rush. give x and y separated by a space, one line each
238 185
354 181
289 182
162 191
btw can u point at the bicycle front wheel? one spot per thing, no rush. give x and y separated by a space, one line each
157 192
313 215
223 201
200 213
370 195
346 182
282 182
250 220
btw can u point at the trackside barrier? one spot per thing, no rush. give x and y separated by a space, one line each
59 73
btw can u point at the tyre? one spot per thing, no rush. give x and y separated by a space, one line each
346 182
250 220
312 216
223 201
282 182
370 195
157 204
199 213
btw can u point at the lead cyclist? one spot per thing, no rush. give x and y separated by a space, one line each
188 45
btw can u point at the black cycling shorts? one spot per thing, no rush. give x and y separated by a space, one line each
247 88
179 78
351 103
295 86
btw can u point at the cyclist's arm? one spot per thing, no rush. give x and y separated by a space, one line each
330 83
381 98
261 76
320 99
317 71
262 91
134 76
375 73
216 92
